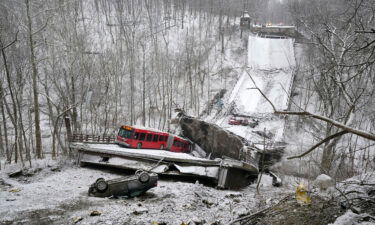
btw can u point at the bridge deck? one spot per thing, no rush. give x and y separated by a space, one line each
226 173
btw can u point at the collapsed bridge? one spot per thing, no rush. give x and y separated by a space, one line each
224 172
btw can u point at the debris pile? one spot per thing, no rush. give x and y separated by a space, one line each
214 140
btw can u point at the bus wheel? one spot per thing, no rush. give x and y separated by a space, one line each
139 145
161 147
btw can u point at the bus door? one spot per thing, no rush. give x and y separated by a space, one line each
170 141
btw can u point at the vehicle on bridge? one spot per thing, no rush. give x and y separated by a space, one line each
148 138
236 121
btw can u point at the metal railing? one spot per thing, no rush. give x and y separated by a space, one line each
87 138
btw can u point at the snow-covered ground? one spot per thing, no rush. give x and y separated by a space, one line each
58 197
58 194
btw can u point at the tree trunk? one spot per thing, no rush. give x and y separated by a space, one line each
143 86
1 144
2 103
38 136
74 110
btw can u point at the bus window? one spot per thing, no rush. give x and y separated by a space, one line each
161 138
176 143
156 137
149 137
125 133
165 138
136 135
142 136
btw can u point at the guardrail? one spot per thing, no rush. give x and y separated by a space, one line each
87 138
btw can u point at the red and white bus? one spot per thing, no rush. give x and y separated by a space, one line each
134 137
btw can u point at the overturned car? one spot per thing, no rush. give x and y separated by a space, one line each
130 186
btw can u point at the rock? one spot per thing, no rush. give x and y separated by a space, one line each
140 211
77 219
216 223
356 210
55 169
233 195
158 223
240 211
207 202
15 173
4 184
323 182
31 172
24 172
196 221
95 213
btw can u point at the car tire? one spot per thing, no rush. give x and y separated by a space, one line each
101 185
99 179
143 177
162 147
139 145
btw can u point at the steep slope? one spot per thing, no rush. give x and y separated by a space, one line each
270 67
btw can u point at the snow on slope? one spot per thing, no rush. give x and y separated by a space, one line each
266 53
270 62
270 65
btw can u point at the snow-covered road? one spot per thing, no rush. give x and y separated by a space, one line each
270 64
270 68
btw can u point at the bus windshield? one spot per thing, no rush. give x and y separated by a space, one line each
125 133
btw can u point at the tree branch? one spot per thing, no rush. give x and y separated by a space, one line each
319 143
8 45
358 132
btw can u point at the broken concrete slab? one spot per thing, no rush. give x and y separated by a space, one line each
226 172
214 140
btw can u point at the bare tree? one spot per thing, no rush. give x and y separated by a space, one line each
38 137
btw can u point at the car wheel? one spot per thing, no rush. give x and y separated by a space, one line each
139 145
101 185
161 147
144 177
99 179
